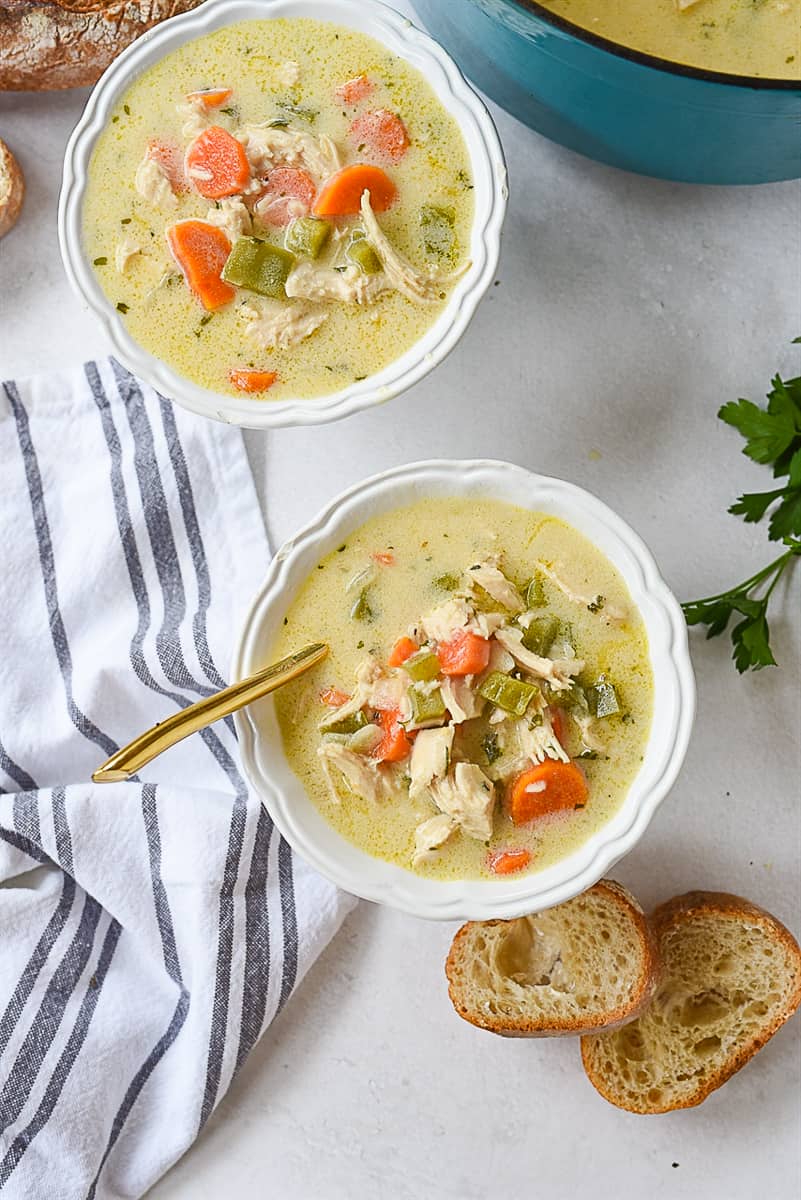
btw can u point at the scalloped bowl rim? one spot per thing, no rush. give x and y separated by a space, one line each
490 192
372 878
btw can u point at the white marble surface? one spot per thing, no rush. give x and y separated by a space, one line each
626 312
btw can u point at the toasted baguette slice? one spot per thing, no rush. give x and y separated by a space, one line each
12 189
731 978
587 964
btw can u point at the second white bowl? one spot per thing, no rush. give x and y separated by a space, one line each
489 183
674 694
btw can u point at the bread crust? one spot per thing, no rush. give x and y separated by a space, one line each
671 915
645 987
12 189
51 44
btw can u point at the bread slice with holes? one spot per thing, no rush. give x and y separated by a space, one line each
731 977
588 964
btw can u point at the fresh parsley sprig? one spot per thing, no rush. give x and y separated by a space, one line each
773 438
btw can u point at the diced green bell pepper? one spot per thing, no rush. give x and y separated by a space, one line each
299 110
436 229
258 266
363 255
541 635
307 236
602 698
422 666
426 706
535 593
361 610
350 724
512 695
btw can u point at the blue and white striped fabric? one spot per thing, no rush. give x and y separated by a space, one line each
150 930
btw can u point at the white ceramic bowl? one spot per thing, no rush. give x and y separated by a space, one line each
489 180
674 694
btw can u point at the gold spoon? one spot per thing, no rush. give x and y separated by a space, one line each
155 741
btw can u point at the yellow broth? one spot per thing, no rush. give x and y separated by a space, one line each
427 540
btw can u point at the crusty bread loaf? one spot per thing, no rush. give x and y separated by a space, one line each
587 964
731 978
12 189
47 44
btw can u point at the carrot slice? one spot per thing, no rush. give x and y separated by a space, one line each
506 862
465 654
333 697
201 250
404 648
384 558
558 724
251 381
217 164
211 97
382 133
288 193
551 786
171 160
394 745
354 90
341 194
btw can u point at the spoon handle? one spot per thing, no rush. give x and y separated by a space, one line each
143 749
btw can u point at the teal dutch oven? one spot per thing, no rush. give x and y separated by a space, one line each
620 106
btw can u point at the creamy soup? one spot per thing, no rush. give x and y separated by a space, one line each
487 698
741 37
280 208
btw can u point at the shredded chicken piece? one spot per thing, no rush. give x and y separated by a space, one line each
489 577
401 275
430 835
522 744
288 73
446 619
368 670
469 796
609 612
268 147
681 5
461 701
152 183
557 672
391 691
273 325
540 742
290 206
361 774
486 624
232 217
430 760
376 688
196 116
589 738
309 281
126 249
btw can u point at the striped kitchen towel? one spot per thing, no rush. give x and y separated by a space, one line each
150 930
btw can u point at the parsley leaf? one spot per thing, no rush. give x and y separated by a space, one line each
772 438
750 636
768 432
